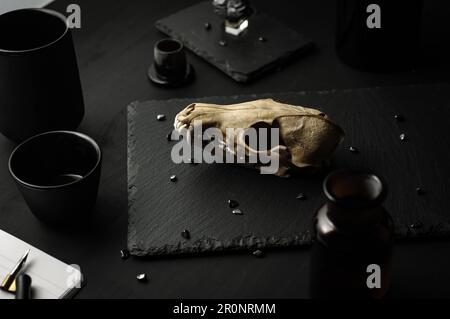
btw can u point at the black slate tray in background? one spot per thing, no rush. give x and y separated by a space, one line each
160 210
244 58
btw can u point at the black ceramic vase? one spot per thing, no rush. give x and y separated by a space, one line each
39 78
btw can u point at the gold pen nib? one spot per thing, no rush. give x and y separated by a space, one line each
9 282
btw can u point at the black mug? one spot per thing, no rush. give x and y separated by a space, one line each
379 35
39 79
58 174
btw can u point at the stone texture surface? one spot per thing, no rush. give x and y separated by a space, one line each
160 210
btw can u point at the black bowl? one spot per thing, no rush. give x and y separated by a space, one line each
58 174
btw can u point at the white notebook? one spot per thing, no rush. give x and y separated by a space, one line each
9 5
51 278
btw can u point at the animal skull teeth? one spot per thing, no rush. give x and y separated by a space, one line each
308 138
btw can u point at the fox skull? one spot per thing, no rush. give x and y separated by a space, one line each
307 137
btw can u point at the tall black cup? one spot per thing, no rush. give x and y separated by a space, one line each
379 35
40 87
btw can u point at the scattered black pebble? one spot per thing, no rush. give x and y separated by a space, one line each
420 191
403 137
169 137
399 118
354 150
301 196
207 26
233 204
417 225
262 39
161 117
142 278
223 43
173 178
124 254
237 212
186 234
259 254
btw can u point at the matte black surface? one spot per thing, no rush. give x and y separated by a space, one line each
159 210
394 45
245 57
115 48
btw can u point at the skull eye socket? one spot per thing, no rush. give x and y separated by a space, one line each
260 145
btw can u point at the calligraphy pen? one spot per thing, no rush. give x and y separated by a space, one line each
17 282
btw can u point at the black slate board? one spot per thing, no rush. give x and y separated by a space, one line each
244 58
160 210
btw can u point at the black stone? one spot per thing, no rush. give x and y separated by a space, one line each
403 137
207 26
233 10
237 212
161 117
173 178
301 196
259 254
223 43
124 254
169 137
417 225
233 204
142 278
354 150
186 234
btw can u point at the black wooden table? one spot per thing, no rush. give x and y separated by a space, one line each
114 48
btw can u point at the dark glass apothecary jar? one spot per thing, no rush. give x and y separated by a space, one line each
353 233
